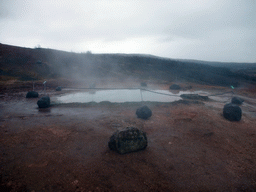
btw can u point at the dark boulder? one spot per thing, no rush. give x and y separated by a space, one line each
44 102
189 87
143 84
194 97
128 140
143 112
175 87
32 94
237 100
232 112
58 89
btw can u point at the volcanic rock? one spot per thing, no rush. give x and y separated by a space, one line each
128 140
143 112
232 112
175 87
44 102
194 97
32 94
237 100
58 89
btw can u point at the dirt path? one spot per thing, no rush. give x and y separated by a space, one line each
64 148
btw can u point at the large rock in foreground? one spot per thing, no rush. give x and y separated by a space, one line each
44 102
128 140
237 100
32 94
144 112
232 112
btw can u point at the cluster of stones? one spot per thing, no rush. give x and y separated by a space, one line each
131 139
43 102
231 111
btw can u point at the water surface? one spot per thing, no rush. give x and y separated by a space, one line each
123 95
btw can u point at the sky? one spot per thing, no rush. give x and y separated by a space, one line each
210 30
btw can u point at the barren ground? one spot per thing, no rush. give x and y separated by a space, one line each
191 147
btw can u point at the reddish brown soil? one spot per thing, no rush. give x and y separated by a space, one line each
64 148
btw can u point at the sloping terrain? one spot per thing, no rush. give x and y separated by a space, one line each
28 64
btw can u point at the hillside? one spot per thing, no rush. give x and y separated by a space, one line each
39 63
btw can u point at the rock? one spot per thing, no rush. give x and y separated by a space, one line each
175 87
194 97
32 94
58 89
143 112
187 102
237 100
128 140
143 84
232 112
44 102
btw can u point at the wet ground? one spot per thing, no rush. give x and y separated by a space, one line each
191 147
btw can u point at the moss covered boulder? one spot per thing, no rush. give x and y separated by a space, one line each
130 139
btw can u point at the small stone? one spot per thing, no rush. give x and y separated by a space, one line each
237 100
143 112
175 87
232 112
32 94
44 102
58 89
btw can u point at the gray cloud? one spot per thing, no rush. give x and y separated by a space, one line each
189 29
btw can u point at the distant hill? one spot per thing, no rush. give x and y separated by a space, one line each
230 65
27 64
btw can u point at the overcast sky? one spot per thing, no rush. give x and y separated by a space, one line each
212 30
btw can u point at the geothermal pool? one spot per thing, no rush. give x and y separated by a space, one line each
123 95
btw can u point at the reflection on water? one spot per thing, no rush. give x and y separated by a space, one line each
122 95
